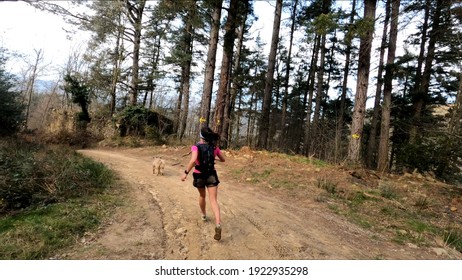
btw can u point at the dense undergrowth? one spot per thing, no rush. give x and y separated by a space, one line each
49 197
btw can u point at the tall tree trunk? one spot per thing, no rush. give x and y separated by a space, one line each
227 128
372 144
416 94
316 145
311 76
186 74
364 62
210 65
227 111
346 72
386 105
282 136
266 107
237 122
319 94
179 103
135 16
434 36
251 118
31 84
273 120
115 78
116 64
154 56
152 74
226 62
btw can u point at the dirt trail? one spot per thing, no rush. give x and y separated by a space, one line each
161 220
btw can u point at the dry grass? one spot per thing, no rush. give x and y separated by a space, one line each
408 208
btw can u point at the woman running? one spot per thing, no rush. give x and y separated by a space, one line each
205 176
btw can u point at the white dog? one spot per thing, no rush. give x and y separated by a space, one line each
158 165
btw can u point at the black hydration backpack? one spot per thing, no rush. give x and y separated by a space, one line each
206 156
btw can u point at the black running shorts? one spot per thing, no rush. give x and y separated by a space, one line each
205 180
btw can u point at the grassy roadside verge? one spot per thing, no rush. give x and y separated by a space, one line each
40 232
49 198
409 209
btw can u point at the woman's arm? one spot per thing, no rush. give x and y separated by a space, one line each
190 165
220 156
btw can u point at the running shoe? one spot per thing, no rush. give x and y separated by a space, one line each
217 232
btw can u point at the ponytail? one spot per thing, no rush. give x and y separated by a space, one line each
209 136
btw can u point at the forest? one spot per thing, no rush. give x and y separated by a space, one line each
372 83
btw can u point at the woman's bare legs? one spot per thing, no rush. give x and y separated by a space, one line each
202 200
214 203
216 210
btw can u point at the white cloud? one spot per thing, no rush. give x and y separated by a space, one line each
24 29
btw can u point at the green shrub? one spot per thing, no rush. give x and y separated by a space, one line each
11 109
422 203
388 192
56 195
32 174
327 185
453 238
436 152
137 121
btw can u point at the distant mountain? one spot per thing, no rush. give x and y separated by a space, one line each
44 86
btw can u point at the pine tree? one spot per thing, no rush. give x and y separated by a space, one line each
288 62
210 63
267 99
11 111
364 61
225 71
339 134
389 74
245 12
372 143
